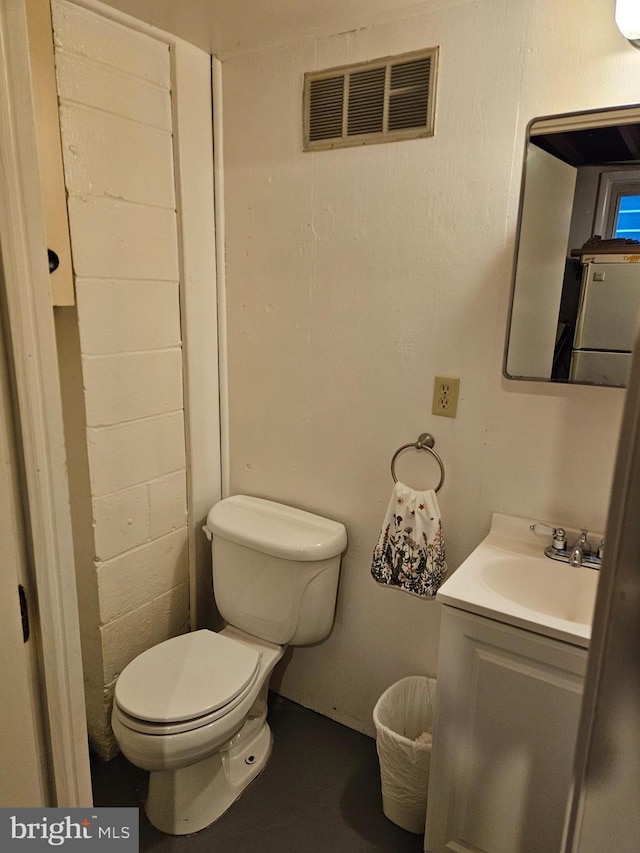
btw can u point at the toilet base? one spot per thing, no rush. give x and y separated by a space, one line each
191 798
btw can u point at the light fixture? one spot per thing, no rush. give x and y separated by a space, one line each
628 20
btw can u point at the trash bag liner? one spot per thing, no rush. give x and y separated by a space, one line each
403 717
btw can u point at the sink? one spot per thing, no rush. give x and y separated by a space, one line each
568 594
508 578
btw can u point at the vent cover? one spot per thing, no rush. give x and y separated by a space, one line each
380 101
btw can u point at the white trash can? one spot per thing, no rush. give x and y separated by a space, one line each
403 717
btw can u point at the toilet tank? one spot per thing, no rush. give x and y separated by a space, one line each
275 569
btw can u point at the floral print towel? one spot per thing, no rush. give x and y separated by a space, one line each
410 550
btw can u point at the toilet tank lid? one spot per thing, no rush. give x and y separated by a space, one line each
275 529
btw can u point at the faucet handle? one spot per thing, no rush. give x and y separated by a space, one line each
542 529
559 542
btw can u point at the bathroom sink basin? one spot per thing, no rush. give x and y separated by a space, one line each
568 594
508 578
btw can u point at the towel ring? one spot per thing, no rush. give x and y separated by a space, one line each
424 442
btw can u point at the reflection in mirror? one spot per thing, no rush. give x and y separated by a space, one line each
576 289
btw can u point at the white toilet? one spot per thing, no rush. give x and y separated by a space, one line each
193 709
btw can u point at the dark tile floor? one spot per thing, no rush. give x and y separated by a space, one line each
319 793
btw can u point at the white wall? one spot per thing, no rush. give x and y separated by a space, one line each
354 276
120 352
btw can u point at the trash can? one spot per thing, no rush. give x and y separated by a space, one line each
403 717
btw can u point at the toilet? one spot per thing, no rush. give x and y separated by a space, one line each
193 710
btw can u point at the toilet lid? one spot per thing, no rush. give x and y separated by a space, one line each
144 726
186 677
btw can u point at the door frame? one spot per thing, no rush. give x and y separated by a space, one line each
39 420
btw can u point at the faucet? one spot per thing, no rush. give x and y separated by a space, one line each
580 553
580 549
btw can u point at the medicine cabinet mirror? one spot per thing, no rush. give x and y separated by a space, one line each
576 285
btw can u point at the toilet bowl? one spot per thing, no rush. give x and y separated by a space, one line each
193 709
202 746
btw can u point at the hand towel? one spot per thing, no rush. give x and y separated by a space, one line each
410 551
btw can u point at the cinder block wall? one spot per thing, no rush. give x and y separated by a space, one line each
120 349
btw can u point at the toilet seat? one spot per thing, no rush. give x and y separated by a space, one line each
145 727
185 683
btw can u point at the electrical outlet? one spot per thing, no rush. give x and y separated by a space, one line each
445 396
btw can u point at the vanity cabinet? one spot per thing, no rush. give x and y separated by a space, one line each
504 736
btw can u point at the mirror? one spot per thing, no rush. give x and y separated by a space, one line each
576 285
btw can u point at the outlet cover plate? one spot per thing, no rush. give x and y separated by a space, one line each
445 396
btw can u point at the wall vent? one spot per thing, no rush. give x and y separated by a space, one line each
380 101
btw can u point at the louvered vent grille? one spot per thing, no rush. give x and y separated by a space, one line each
366 102
409 94
382 101
326 99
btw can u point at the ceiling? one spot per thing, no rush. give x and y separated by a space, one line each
226 27
594 146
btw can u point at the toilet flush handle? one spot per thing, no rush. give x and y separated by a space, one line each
208 533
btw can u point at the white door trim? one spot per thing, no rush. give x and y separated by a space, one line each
37 391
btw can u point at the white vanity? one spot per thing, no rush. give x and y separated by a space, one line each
513 652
